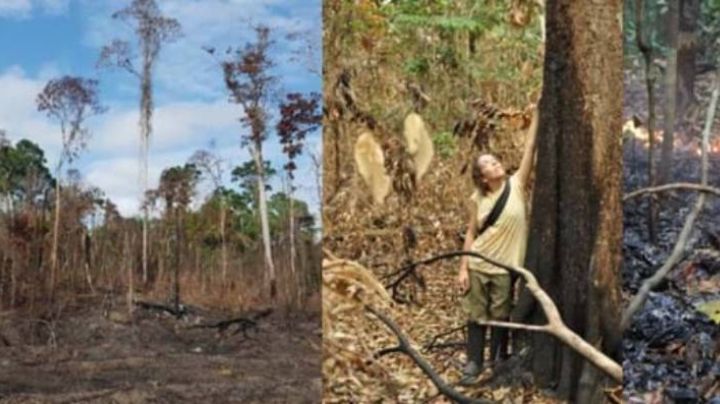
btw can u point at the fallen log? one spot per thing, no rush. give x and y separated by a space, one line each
244 324
181 311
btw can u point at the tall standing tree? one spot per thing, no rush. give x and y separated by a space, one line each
69 101
251 84
299 115
152 30
575 236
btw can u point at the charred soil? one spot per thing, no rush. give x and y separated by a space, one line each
94 355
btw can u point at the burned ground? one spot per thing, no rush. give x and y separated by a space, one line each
87 356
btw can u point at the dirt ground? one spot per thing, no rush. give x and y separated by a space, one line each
95 355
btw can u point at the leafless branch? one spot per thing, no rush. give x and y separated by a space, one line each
671 187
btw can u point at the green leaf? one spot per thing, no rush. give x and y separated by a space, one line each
711 309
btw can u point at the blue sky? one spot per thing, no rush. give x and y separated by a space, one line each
45 39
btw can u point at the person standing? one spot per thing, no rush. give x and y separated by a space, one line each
498 229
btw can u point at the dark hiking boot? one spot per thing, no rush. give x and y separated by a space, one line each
471 371
475 352
498 345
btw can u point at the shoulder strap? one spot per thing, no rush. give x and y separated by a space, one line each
497 208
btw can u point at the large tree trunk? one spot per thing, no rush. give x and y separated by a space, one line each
689 15
146 105
670 95
256 152
575 237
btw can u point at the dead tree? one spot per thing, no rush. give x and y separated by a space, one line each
152 30
69 101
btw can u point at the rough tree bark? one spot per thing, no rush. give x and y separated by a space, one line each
689 15
671 81
575 237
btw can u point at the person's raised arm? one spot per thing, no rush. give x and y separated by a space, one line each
527 165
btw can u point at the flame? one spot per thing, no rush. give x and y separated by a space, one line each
680 142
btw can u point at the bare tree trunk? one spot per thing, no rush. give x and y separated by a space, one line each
87 244
130 266
177 261
317 164
223 250
291 214
646 50
256 152
575 237
670 95
146 105
296 286
56 231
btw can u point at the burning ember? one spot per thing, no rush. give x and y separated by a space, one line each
681 142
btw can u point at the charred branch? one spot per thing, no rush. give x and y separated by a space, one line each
244 324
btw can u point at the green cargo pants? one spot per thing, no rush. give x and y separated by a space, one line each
488 297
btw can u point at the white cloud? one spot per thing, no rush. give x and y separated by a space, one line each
19 115
191 102
53 6
24 8
184 68
111 161
14 8
119 177
178 124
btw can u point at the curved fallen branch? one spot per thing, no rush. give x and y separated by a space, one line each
671 187
433 342
405 347
650 283
555 325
